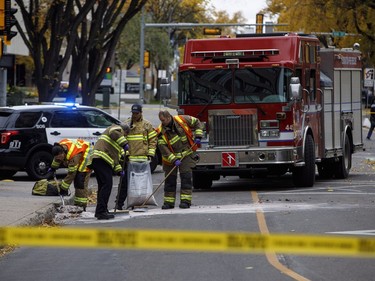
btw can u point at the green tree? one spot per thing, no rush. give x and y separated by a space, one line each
47 25
351 16
86 32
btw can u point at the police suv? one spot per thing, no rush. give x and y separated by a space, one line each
28 133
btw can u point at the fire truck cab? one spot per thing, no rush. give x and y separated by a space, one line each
272 103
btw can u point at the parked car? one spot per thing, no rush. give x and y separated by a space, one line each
28 133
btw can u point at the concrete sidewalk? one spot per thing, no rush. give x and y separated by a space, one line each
19 207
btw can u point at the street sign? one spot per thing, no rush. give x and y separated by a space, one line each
338 33
369 77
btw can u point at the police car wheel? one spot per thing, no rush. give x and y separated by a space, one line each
38 164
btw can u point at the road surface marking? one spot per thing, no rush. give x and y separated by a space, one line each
355 232
271 255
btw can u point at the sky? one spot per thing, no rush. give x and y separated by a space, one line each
232 6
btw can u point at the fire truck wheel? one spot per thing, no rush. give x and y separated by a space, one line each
344 164
305 176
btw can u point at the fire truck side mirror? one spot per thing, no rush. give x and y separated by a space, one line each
165 89
295 88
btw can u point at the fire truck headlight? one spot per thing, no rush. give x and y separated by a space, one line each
270 133
274 133
264 133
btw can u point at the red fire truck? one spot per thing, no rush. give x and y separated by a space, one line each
272 103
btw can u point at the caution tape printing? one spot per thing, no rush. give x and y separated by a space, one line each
174 240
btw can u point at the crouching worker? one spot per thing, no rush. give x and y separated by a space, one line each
108 152
73 155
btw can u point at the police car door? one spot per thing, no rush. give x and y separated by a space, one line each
97 121
67 124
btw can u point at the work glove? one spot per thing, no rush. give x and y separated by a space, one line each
121 173
197 141
126 147
177 162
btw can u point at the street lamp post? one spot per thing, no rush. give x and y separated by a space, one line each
119 94
119 90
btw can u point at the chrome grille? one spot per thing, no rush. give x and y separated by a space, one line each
232 129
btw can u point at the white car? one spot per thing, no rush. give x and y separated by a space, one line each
28 133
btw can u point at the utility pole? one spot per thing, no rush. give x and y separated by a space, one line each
118 64
141 58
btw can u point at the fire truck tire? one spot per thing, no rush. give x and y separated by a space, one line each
344 164
38 165
201 181
305 176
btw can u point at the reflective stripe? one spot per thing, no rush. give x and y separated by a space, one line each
112 142
105 157
151 151
72 169
64 185
81 200
186 197
140 158
169 200
152 134
136 138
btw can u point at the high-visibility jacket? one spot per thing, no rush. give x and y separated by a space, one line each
177 141
142 140
110 147
77 154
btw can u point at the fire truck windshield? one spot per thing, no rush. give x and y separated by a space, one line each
223 86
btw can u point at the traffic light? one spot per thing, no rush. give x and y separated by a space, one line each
1 47
259 19
146 59
108 70
2 17
212 31
10 21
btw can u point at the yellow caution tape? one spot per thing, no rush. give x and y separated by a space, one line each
174 240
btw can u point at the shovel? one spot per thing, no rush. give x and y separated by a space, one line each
119 189
57 184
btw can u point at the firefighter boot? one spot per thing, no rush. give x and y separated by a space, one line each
186 190
169 192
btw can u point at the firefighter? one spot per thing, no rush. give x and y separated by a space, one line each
142 145
106 159
178 138
73 155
